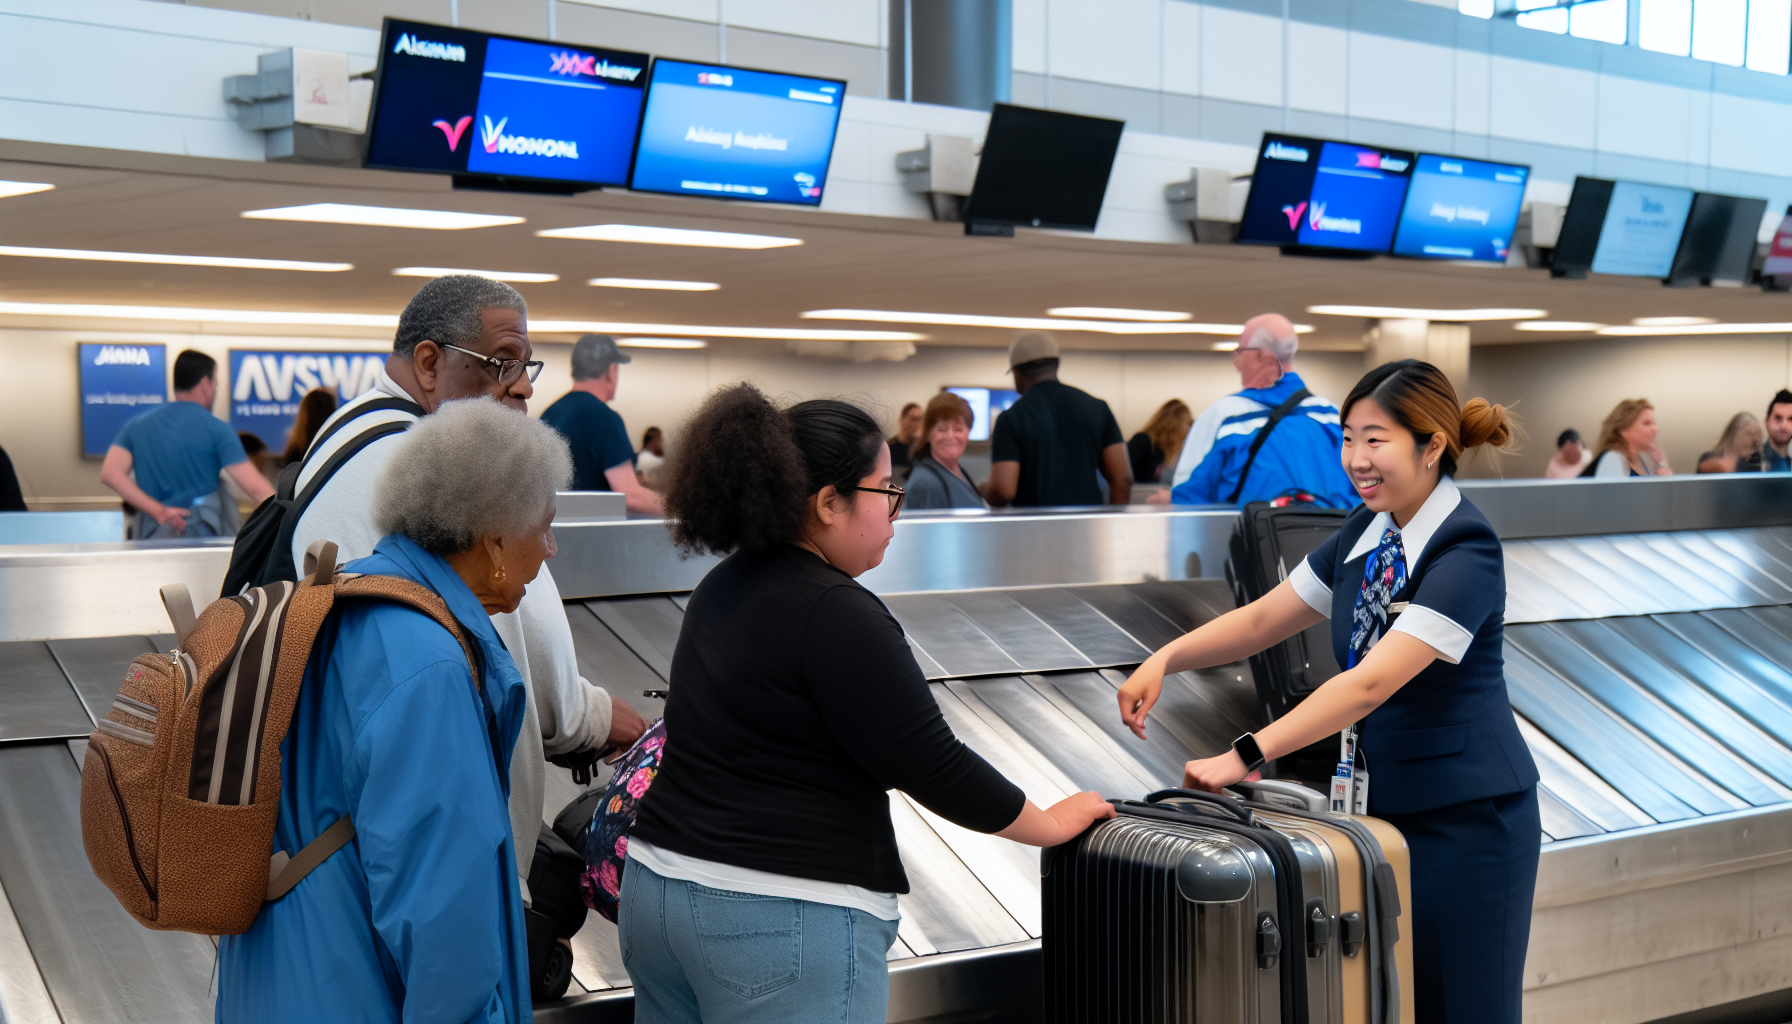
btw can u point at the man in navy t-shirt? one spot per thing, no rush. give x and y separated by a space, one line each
176 451
603 458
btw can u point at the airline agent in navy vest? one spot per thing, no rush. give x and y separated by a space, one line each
1415 588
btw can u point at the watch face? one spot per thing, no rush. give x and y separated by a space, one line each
1247 750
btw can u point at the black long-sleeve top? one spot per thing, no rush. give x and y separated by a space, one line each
795 705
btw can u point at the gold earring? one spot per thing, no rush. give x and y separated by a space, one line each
499 575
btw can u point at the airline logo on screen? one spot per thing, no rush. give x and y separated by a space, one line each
453 131
497 142
712 78
416 47
1318 221
120 355
1283 151
576 64
1381 162
1293 214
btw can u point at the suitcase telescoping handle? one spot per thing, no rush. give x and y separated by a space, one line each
1231 806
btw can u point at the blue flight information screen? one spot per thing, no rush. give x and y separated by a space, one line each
460 102
722 131
1356 198
1642 230
1460 209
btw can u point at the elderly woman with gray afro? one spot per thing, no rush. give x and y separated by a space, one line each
419 918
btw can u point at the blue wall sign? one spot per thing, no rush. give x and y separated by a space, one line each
118 382
265 387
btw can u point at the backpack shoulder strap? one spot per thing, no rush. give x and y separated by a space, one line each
416 595
1276 416
376 405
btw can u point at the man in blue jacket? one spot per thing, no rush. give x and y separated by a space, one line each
1300 453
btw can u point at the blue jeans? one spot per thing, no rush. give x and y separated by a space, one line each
710 956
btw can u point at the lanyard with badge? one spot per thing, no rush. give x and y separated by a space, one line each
1350 782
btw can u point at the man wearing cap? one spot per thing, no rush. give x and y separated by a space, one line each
603 458
1297 458
1048 446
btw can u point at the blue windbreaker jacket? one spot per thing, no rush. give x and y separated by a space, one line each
1300 454
420 918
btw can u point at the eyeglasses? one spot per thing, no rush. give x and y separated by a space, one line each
508 370
896 495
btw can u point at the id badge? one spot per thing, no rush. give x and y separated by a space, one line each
1360 799
1341 799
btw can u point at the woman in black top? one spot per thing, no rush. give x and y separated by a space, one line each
763 870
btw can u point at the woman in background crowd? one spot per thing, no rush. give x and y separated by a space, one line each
1155 448
763 869
316 407
1738 449
650 458
1627 444
908 431
937 480
1571 457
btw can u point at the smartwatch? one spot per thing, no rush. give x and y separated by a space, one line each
1247 750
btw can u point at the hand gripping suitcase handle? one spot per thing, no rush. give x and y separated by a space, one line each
1232 807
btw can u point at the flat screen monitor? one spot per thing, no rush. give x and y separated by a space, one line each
713 130
1459 209
1642 229
1043 169
497 107
1718 244
1325 195
1581 224
986 404
118 381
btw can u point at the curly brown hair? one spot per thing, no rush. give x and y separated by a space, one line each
743 473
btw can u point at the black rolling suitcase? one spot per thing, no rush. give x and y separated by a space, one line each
1191 907
1267 544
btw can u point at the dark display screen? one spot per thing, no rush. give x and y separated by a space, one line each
1719 241
1460 209
712 130
1327 195
1044 168
459 102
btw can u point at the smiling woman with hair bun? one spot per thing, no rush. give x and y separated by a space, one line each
1414 585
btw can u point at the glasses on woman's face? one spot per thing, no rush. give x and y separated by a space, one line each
507 370
896 495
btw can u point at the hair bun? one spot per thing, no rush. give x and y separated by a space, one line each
1486 424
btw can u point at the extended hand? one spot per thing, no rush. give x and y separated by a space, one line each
626 726
176 517
1215 773
1138 696
1077 812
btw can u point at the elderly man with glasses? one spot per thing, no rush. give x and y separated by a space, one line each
465 336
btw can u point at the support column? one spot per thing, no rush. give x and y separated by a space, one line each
1443 345
956 53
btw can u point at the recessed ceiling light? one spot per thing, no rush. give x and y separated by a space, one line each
1112 313
179 261
664 286
1450 316
222 316
517 276
383 217
668 236
1633 331
1027 322
1671 321
22 188
1556 325
1225 346
661 343
703 331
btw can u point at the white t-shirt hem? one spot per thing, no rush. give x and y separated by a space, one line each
733 878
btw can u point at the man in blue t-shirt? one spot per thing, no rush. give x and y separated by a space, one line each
603 458
176 451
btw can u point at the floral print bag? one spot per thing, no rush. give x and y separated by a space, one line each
606 842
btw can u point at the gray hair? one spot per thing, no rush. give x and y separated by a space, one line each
450 311
1265 339
475 467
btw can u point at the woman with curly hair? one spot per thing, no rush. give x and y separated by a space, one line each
762 871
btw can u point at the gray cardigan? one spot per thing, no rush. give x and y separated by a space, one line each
931 485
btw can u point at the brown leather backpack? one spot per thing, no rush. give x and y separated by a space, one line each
181 784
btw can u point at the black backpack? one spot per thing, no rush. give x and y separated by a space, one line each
263 550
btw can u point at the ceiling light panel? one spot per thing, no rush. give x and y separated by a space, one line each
186 313
1671 321
513 276
669 236
705 331
652 285
1633 331
23 188
1024 323
383 217
662 343
1112 313
178 261
1556 325
1452 316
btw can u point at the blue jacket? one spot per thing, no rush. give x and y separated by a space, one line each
420 918
1300 454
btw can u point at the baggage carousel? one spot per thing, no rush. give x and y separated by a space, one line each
1649 660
